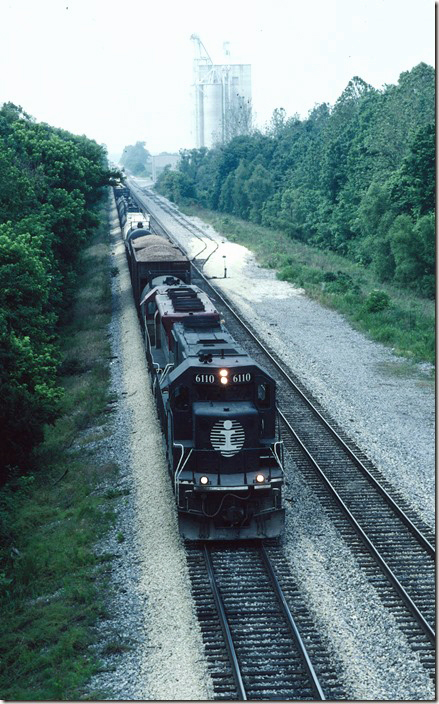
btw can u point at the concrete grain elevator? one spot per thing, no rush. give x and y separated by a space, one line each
222 98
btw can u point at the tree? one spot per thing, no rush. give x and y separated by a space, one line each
259 189
226 197
238 118
137 159
241 201
414 189
175 185
412 246
371 224
51 183
29 394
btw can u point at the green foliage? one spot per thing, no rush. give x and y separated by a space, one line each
51 182
412 245
357 178
176 185
137 159
51 578
376 301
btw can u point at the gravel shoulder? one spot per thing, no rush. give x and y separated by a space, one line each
150 604
149 598
387 406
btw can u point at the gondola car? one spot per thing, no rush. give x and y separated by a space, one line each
154 257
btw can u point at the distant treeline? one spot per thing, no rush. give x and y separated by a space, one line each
357 178
137 159
50 183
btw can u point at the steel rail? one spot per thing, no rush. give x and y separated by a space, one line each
428 547
182 222
369 545
316 686
236 670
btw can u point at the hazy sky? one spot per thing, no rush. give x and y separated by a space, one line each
122 71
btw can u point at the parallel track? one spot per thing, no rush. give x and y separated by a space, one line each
391 543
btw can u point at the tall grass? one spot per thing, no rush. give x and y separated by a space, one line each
51 580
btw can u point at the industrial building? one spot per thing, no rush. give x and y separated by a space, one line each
160 161
222 98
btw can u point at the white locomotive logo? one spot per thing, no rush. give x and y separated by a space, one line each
227 436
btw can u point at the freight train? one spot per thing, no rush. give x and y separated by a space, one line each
217 405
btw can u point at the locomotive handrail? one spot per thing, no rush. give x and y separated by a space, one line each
168 368
156 376
274 450
177 444
179 469
155 329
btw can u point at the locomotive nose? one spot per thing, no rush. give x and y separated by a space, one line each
233 515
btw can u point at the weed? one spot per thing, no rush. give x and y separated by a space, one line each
50 520
116 493
115 648
395 317
376 301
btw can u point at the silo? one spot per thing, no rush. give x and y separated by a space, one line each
222 99
213 113
199 115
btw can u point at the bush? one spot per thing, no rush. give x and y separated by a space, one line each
376 301
58 177
339 283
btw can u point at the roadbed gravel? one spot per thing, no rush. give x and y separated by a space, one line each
384 403
151 645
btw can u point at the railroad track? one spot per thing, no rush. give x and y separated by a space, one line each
254 644
207 243
392 545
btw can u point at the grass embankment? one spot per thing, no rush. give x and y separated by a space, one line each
396 318
51 581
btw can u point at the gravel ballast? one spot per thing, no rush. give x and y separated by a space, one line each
159 652
386 405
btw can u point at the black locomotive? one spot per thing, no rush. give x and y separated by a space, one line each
217 406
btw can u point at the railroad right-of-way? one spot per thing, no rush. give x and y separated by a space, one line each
389 540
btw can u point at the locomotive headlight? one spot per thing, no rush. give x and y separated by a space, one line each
204 480
260 478
224 373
